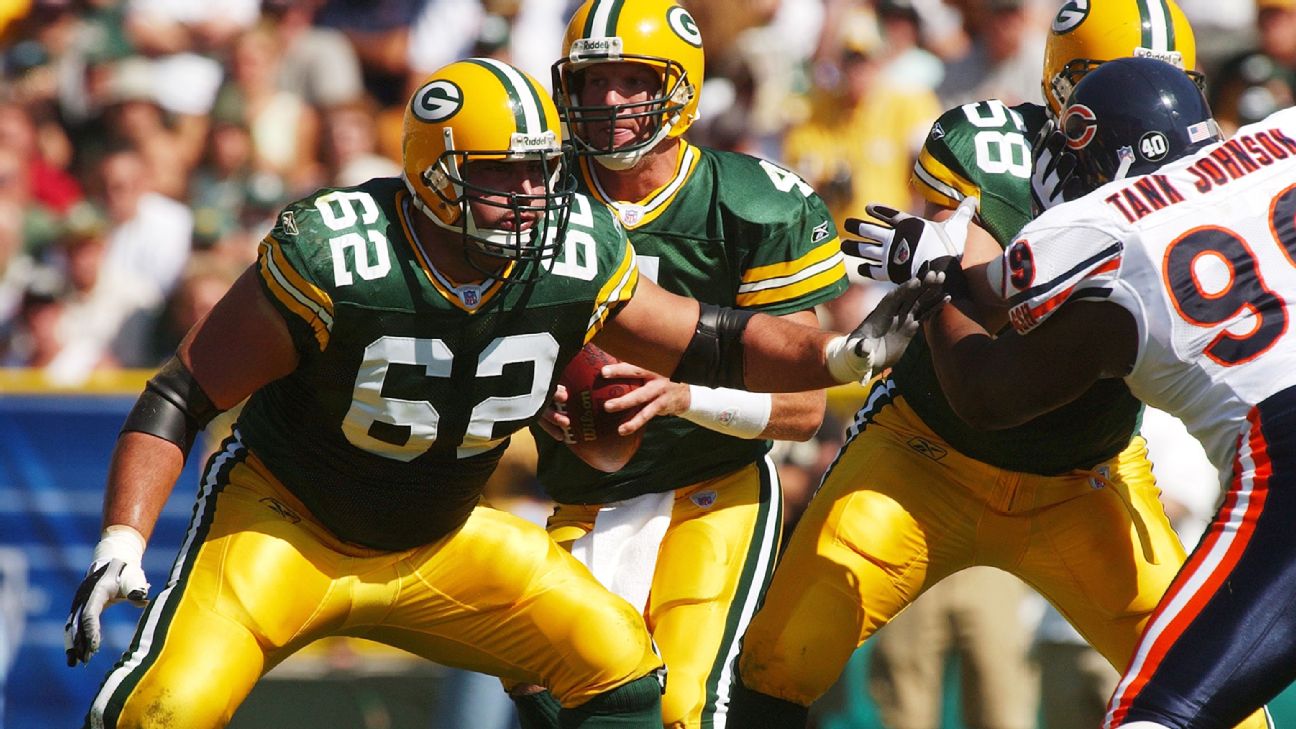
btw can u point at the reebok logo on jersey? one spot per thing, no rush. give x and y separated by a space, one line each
820 232
289 222
281 509
927 448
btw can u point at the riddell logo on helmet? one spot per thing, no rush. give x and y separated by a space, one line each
583 49
520 142
1174 58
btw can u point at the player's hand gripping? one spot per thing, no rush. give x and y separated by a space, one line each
905 246
881 338
1052 168
114 575
658 396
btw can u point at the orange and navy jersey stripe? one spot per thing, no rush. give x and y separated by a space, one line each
1183 610
1029 307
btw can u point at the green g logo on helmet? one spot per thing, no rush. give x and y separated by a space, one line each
1070 15
437 101
685 27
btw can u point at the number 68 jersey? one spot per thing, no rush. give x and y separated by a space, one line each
408 385
1203 254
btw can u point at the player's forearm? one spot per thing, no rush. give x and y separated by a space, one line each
143 470
959 346
780 356
796 415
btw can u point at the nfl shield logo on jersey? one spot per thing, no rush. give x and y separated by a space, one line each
471 297
704 499
631 214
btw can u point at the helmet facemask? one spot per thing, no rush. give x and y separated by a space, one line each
538 220
675 92
1064 82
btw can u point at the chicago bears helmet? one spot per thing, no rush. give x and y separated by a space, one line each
657 33
1130 116
1085 33
482 109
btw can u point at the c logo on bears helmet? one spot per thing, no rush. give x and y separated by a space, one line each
684 26
1070 15
437 101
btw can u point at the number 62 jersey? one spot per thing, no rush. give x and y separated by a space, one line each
1203 254
408 385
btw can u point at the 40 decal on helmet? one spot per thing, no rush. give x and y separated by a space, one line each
484 111
1131 115
659 34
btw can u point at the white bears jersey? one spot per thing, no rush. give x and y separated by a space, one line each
1203 254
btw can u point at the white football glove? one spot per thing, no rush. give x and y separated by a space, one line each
881 338
114 575
1052 168
906 245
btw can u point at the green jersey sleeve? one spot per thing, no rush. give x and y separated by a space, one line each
789 251
982 149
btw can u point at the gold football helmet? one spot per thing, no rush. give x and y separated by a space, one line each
656 33
481 109
1085 33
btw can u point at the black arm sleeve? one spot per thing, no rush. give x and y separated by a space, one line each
714 356
173 407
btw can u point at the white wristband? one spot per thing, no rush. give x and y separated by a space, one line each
738 413
120 542
844 364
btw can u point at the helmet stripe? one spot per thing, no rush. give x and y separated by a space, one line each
602 19
1158 28
527 112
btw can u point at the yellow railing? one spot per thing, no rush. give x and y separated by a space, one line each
22 381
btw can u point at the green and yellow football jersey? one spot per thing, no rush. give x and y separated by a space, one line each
984 149
727 229
409 385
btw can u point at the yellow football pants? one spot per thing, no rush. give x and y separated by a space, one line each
712 567
900 510
258 578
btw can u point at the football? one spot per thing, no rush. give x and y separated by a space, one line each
593 435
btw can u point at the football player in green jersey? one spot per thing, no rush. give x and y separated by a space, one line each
1066 502
724 228
388 340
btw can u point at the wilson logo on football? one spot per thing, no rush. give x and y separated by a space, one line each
1079 125
437 101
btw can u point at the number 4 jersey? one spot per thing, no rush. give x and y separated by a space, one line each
1203 254
408 384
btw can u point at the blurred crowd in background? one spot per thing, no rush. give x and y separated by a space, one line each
145 145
